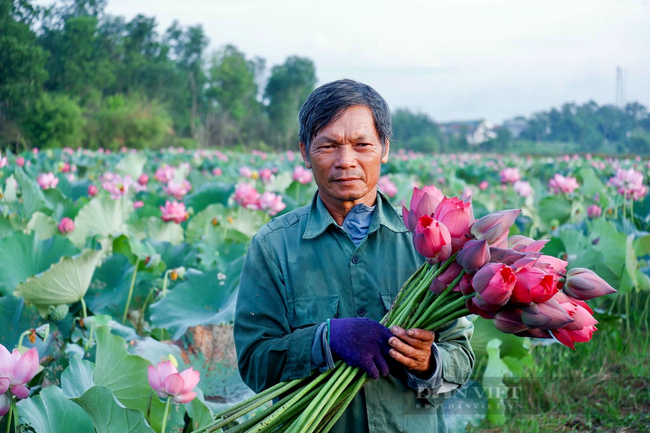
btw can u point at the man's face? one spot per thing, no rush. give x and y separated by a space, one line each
346 156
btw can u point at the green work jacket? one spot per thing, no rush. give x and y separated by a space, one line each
300 270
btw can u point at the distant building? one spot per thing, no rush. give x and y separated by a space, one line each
515 126
475 131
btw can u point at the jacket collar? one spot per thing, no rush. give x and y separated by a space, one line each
385 214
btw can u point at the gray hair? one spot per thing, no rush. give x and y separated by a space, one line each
328 102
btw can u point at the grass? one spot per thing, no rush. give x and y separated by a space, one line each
602 386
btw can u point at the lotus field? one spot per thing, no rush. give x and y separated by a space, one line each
119 271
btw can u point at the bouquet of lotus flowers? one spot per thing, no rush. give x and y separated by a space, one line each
472 267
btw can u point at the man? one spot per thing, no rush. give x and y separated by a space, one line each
317 280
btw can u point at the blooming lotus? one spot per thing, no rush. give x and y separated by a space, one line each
119 186
272 203
245 172
423 202
483 185
457 215
168 382
174 211
387 186
584 284
165 173
495 227
432 239
302 175
629 183
247 196
138 204
509 175
47 180
178 189
266 174
494 282
15 371
594 211
66 226
522 188
563 184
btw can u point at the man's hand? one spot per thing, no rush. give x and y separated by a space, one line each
412 348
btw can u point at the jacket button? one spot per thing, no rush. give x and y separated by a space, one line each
355 259
361 311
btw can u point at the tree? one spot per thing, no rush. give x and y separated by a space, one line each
415 131
288 87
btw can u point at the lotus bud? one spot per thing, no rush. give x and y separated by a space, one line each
66 226
440 283
494 282
477 305
584 284
545 315
525 244
495 227
474 255
465 285
509 321
507 256
431 239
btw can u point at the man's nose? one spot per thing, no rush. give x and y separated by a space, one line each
346 157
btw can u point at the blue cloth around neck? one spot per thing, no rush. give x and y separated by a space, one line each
357 222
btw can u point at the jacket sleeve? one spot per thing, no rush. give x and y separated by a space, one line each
268 352
457 356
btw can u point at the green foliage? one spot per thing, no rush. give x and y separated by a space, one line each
55 120
416 132
52 412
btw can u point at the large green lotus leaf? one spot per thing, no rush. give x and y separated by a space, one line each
301 194
101 216
52 412
66 282
201 225
280 182
156 229
247 221
590 183
511 345
203 298
43 225
495 371
555 207
126 376
610 243
61 205
77 378
131 165
10 194
15 318
109 288
79 189
175 256
26 255
32 195
108 415
6 227
209 193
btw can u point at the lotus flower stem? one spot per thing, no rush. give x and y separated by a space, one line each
437 301
330 399
400 295
9 415
128 299
164 421
317 404
84 311
351 394
401 301
449 308
457 315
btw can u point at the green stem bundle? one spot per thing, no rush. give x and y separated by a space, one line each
314 404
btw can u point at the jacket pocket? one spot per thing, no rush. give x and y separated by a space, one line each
387 299
311 310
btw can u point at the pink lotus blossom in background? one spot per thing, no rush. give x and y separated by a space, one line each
302 175
174 211
629 183
3 160
509 175
483 185
178 189
64 167
165 379
119 186
20 161
467 193
387 186
594 211
246 172
272 203
165 173
143 179
291 155
16 371
222 156
66 226
266 174
35 151
47 180
138 204
563 184
92 190
522 188
217 171
68 150
247 196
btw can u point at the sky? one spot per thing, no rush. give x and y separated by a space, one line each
453 60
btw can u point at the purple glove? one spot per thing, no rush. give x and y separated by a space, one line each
361 342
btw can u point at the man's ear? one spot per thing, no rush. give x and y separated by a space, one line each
384 157
303 153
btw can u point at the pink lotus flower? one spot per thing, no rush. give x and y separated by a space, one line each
247 196
509 321
272 203
432 239
266 174
563 184
168 382
178 189
532 284
494 227
522 188
594 211
217 171
92 190
143 179
119 186
64 167
583 323
20 161
457 215
302 175
584 284
174 211
387 186
15 371
66 226
483 185
47 180
474 255
165 173
494 282
440 283
138 204
245 172
423 202
545 315
629 183
509 175
3 160
525 244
